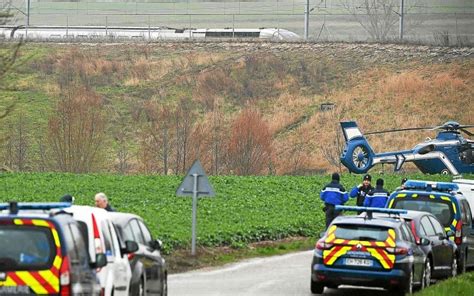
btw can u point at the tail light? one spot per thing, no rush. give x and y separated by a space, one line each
321 245
413 230
458 233
65 277
97 242
398 251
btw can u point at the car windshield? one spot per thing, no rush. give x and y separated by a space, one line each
361 232
442 209
28 247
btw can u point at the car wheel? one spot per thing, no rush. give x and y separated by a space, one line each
426 281
164 286
454 267
141 287
462 264
317 288
409 285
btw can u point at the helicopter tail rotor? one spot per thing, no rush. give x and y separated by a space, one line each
357 155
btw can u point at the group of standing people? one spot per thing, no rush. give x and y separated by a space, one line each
101 201
366 195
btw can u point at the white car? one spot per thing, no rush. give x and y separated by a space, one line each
102 238
466 187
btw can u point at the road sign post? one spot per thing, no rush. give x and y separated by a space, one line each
195 184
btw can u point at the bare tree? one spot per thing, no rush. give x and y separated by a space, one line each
377 17
184 117
76 131
249 146
17 144
157 137
9 52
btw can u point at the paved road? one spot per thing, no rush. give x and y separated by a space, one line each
281 275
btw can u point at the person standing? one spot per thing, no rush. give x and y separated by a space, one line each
67 198
333 194
378 197
360 191
101 201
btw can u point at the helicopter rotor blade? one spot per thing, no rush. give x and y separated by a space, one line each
401 130
466 132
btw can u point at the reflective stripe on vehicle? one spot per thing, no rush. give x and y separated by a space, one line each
376 249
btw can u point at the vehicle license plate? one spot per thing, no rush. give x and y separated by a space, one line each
358 262
14 290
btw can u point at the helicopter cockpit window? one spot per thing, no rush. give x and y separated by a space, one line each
467 154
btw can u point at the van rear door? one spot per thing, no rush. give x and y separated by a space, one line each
30 257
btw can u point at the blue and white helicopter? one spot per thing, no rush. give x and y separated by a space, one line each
448 153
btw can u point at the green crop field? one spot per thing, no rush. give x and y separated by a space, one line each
245 209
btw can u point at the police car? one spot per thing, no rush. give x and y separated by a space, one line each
448 205
43 251
369 251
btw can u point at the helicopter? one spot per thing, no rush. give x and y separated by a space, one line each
448 153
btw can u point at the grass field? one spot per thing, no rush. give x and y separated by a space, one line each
462 285
245 209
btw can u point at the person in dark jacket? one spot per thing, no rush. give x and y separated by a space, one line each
377 198
360 191
67 198
101 201
333 194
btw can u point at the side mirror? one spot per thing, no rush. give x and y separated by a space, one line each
100 261
424 241
443 236
157 245
130 247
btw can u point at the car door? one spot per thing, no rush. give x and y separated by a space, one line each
446 253
146 257
436 244
158 272
121 267
83 278
468 229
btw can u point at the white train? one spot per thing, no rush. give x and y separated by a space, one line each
142 33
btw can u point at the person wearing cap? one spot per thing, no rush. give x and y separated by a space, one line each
360 191
402 185
333 194
377 198
67 198
101 201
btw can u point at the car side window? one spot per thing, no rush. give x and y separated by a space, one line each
146 232
406 233
437 226
79 254
137 233
109 250
427 226
467 214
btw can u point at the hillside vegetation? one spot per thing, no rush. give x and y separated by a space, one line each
241 108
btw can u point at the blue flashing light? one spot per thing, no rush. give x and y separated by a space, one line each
431 186
35 206
370 209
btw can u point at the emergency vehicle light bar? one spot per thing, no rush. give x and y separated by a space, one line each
431 186
370 209
14 206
